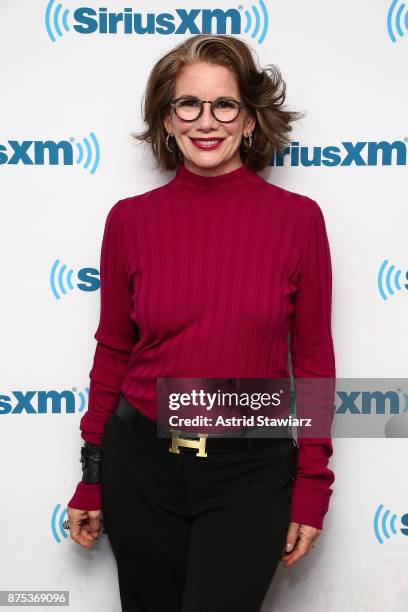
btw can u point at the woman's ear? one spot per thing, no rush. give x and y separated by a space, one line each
168 124
251 123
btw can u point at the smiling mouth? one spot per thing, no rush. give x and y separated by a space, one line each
205 143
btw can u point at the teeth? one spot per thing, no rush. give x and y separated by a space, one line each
207 142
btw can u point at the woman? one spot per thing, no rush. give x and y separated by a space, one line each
205 276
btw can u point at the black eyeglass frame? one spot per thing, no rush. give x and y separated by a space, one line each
202 102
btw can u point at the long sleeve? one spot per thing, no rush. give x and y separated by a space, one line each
313 357
116 335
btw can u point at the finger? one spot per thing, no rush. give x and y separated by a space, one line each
302 548
79 530
82 538
286 556
86 530
293 559
291 536
74 527
292 553
85 537
95 525
308 532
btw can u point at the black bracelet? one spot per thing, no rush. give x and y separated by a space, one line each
91 455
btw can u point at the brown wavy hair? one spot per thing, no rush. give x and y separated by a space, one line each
263 90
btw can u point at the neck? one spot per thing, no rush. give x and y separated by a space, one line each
223 168
238 177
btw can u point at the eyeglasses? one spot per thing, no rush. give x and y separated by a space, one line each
189 108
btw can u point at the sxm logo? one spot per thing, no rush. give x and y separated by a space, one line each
388 279
372 402
85 153
61 279
397 20
384 524
253 21
68 401
382 153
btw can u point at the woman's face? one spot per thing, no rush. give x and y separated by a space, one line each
208 82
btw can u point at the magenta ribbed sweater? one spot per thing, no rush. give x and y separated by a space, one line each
206 277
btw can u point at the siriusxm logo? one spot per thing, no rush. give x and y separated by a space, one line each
381 153
44 402
384 524
61 279
52 153
372 402
397 20
87 20
388 279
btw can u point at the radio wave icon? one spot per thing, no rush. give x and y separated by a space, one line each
397 20
83 399
58 528
55 20
387 278
88 153
60 279
381 524
254 21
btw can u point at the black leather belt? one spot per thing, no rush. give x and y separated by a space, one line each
201 443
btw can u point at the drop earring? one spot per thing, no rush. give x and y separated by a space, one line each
167 143
249 139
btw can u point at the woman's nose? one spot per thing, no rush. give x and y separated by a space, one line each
206 116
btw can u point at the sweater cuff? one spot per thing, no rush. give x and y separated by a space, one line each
309 504
87 497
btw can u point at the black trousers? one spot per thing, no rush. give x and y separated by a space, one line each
194 534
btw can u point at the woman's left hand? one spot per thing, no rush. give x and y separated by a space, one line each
300 537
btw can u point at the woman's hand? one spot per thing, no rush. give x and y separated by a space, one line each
84 526
300 539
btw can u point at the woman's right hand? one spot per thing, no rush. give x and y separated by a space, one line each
84 526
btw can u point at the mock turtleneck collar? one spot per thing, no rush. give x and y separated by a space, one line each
229 180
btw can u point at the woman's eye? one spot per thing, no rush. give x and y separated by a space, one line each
224 104
190 103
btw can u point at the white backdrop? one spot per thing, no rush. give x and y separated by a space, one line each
344 63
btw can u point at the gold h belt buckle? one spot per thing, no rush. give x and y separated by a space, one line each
199 444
